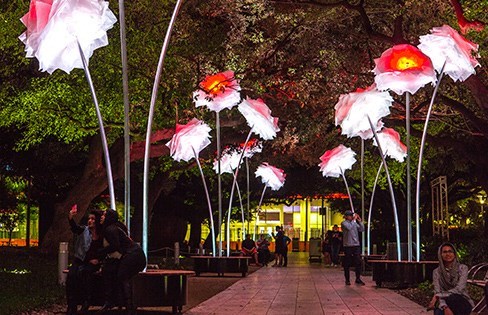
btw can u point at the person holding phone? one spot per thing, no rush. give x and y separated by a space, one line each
351 227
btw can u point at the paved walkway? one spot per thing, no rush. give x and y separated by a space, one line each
304 288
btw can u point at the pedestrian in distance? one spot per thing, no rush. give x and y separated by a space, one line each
352 226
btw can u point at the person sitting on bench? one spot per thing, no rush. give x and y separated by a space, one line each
249 248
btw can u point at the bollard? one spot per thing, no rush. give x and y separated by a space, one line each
177 253
62 262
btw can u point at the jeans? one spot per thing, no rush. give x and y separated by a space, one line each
352 257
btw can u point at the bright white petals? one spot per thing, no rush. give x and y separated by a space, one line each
336 161
271 176
54 27
218 91
229 160
391 144
444 44
353 108
403 68
253 146
258 116
195 135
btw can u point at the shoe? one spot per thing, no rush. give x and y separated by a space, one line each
348 282
107 306
360 282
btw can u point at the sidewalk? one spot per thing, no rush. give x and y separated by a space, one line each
304 288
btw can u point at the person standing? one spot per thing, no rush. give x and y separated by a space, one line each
286 242
450 280
279 246
335 238
351 227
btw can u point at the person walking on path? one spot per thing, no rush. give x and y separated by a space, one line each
335 244
450 280
351 227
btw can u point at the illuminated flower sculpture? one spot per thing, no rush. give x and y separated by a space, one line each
353 109
336 161
54 28
218 91
444 44
391 144
403 68
229 160
271 176
189 140
258 116
252 147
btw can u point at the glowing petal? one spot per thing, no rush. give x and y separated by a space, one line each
218 91
195 135
336 161
391 144
403 68
271 176
444 44
54 27
229 160
258 116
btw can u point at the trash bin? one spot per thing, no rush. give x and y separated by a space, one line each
295 244
315 249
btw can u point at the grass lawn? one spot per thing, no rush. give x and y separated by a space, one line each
28 280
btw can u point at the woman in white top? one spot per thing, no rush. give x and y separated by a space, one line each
450 279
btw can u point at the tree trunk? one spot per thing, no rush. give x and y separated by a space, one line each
195 233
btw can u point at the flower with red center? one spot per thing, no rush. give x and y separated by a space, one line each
403 68
218 91
189 140
336 161
258 117
391 144
271 176
353 109
253 146
54 28
444 44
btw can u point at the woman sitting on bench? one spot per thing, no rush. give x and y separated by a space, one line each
450 279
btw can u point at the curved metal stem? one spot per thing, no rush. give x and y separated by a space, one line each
242 212
219 180
147 152
248 200
363 237
409 178
209 203
348 192
125 89
236 172
370 212
419 167
106 153
392 194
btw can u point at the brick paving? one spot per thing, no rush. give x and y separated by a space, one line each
305 288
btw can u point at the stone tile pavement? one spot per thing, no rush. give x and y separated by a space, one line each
304 288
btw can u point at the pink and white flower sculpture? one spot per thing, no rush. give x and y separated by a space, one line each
334 162
390 143
258 116
445 44
189 140
271 176
218 91
352 110
54 28
229 160
403 68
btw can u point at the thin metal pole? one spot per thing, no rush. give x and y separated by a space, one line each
363 236
209 202
370 212
106 153
348 191
248 196
242 212
147 152
409 188
219 181
419 167
392 194
125 89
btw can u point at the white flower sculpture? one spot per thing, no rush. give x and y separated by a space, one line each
258 116
353 109
253 146
229 160
271 176
391 144
336 161
444 44
54 28
189 139
218 91
403 68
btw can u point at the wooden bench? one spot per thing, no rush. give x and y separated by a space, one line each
221 265
153 288
402 273
478 276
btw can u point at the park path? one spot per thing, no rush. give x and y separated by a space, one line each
306 289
